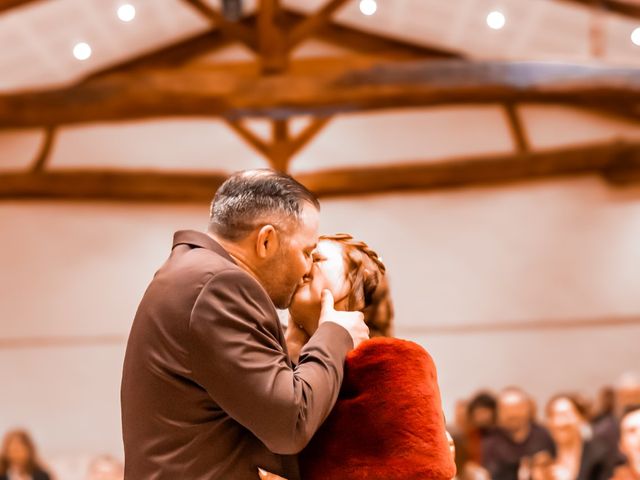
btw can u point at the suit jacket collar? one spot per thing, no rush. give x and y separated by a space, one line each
200 240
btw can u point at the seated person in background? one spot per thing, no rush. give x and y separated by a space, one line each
480 420
518 442
19 460
387 422
105 467
625 393
630 445
579 456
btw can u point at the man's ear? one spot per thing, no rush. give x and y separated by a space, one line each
267 242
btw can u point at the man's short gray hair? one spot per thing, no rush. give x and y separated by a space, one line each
250 198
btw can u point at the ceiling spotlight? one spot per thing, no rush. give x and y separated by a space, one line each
82 51
496 20
126 12
368 7
635 36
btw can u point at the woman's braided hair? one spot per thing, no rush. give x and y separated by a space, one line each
369 286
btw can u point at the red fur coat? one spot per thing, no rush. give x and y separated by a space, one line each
387 423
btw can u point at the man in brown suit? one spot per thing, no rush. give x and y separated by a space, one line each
208 390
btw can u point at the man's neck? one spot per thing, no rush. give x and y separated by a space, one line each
237 253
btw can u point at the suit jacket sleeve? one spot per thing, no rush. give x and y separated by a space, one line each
237 357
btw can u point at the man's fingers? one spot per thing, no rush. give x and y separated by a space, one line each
264 475
327 299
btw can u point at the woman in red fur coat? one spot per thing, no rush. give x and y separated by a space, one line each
387 423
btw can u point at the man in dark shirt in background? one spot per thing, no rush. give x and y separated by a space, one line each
518 442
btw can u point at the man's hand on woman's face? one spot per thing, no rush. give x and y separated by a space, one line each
264 475
352 322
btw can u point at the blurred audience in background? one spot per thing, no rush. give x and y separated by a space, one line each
19 459
579 455
496 438
475 420
629 444
105 467
518 441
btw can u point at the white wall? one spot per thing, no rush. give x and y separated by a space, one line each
558 250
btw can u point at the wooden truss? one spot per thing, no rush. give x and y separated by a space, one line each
379 73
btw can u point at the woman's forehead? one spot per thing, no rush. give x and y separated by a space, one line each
330 248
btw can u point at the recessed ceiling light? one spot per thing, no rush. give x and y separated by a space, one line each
82 51
496 20
635 36
126 12
368 7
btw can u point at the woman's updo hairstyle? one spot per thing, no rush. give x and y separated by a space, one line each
369 286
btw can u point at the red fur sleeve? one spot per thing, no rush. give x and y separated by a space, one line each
388 422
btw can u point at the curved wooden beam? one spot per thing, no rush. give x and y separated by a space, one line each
154 186
324 87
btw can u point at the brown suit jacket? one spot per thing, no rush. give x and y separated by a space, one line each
208 391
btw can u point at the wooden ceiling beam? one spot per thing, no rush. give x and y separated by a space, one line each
174 55
322 88
45 149
518 132
369 43
464 172
629 8
6 5
472 172
311 23
272 43
234 30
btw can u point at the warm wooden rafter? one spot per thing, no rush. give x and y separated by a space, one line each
314 22
305 136
155 186
45 149
369 43
602 158
11 4
251 138
174 55
235 30
283 146
271 38
324 88
630 8
517 129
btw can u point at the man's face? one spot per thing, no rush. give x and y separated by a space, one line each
286 270
630 436
482 417
514 412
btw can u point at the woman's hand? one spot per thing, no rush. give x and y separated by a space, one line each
296 338
264 475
